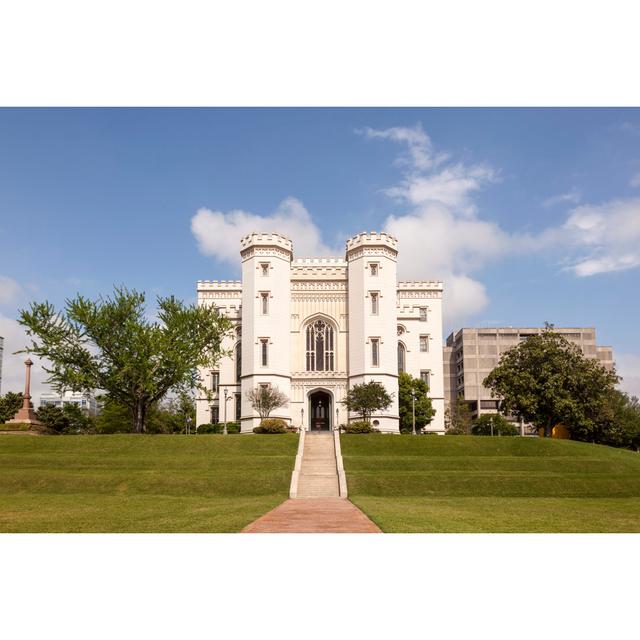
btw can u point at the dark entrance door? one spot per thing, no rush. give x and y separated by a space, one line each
320 411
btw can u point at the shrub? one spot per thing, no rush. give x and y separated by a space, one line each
360 426
271 425
501 426
233 427
209 428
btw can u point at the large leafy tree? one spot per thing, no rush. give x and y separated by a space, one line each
493 424
546 380
424 409
367 398
112 345
619 425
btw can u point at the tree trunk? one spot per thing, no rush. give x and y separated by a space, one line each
139 416
548 431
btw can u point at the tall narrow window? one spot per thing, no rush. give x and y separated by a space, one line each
375 352
264 267
426 377
264 352
264 302
374 268
423 314
238 399
215 415
401 358
238 361
320 346
215 381
374 302
424 343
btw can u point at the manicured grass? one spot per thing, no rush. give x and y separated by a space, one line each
411 484
133 483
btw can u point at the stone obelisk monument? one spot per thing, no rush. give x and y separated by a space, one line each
26 415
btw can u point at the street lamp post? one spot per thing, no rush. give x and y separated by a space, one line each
188 427
337 418
302 418
226 393
413 405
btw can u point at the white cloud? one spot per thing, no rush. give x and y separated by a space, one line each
574 196
13 368
420 148
635 181
440 234
218 234
628 366
606 237
9 290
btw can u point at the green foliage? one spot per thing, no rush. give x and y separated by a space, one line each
547 380
367 398
483 426
619 423
113 417
111 344
457 418
424 411
70 419
271 425
10 403
360 426
218 427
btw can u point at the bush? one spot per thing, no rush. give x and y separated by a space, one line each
218 427
501 426
360 426
271 425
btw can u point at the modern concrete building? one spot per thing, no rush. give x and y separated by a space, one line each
314 327
471 353
86 401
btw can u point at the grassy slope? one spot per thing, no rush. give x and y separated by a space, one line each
131 483
481 484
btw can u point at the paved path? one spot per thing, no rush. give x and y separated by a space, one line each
314 515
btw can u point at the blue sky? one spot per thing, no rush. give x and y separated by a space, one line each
526 214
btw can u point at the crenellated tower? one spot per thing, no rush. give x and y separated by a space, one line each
372 270
266 311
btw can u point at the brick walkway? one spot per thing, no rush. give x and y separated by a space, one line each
313 515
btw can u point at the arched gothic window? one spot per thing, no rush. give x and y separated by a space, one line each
238 361
401 358
320 349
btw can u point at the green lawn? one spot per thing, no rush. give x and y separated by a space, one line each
133 483
479 484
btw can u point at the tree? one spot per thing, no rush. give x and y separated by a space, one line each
68 419
424 409
265 399
619 425
366 398
110 344
547 380
10 403
493 424
457 418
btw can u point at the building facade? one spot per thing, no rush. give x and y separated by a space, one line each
86 401
314 327
470 354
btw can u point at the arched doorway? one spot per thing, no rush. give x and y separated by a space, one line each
320 411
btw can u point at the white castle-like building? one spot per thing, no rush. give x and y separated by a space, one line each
314 327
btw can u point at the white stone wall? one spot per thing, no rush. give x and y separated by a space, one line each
412 296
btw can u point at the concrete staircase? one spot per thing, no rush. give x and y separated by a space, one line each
318 471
